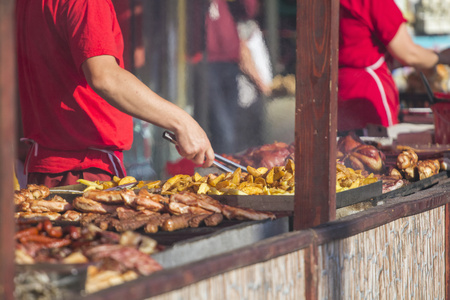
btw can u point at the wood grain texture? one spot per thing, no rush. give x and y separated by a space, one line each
404 259
7 137
280 278
315 112
447 251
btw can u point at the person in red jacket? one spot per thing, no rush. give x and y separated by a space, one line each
368 30
223 51
77 100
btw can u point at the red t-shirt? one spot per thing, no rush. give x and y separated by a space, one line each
365 28
60 112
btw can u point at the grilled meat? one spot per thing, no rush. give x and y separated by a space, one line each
155 197
177 222
87 205
53 216
142 201
38 191
428 168
197 200
130 257
180 208
236 213
213 220
138 221
155 222
196 220
110 197
57 204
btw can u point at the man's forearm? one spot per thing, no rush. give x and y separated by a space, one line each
127 93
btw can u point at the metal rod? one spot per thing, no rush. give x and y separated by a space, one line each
222 167
122 186
230 162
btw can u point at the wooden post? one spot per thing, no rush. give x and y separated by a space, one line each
7 138
315 114
447 251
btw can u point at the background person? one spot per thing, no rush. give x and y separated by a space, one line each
368 31
254 84
223 56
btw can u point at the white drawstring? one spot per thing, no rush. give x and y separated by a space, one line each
34 148
114 160
371 70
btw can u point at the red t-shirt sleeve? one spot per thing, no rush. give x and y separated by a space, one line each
386 18
89 24
382 17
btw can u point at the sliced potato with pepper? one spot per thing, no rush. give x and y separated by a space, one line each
126 180
108 184
91 185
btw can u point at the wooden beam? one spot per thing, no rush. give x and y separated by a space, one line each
447 251
7 137
315 113
311 274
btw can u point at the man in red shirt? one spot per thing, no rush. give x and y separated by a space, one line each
77 100
368 30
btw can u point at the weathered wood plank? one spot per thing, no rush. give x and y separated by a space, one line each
7 137
315 112
400 259
311 273
447 251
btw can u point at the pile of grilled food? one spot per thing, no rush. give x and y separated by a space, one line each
111 225
358 163
127 209
109 228
110 258
370 161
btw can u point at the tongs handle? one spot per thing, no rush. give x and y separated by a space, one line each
428 88
171 138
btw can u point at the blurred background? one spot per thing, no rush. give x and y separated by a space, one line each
165 46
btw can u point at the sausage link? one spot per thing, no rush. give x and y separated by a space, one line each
47 225
27 232
58 243
55 232
74 232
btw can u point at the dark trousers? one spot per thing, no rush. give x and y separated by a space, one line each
223 106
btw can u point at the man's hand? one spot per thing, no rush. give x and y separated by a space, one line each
193 144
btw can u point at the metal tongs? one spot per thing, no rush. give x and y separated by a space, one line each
171 138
